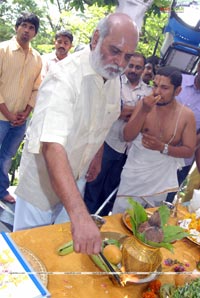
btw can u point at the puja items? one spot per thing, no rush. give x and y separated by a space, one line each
141 252
194 204
68 248
191 220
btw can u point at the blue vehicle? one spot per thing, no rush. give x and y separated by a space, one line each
181 47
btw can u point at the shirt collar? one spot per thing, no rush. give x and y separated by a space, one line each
53 56
15 46
126 81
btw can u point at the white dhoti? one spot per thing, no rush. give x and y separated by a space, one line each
148 174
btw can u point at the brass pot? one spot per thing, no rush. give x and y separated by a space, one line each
140 257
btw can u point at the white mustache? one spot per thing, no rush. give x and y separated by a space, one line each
114 67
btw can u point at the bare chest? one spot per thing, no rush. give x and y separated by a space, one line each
167 126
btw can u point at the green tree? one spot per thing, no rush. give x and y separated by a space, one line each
151 37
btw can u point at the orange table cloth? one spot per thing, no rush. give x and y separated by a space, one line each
62 282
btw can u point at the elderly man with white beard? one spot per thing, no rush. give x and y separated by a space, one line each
77 104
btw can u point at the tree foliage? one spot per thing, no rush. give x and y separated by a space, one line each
151 37
79 16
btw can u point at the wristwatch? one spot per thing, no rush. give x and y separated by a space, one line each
165 150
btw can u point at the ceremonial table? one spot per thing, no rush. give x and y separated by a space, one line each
68 276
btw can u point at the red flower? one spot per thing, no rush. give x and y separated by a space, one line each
155 285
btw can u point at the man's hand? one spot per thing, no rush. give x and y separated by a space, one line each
151 142
21 118
86 236
9 115
93 170
149 102
12 118
126 112
95 166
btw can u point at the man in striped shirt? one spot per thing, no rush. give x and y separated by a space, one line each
20 68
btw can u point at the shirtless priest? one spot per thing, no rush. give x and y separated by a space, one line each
163 132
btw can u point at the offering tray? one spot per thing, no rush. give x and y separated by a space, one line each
126 278
127 222
36 264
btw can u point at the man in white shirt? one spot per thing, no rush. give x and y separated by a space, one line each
63 43
77 103
114 156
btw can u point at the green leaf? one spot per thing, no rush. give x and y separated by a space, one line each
167 290
137 213
172 233
189 290
164 214
168 246
141 237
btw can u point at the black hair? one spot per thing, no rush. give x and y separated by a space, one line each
64 33
171 72
30 18
154 61
137 54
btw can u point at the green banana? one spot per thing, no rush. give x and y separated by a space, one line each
66 248
99 262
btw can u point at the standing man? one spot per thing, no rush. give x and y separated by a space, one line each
190 97
162 132
77 103
20 67
63 43
114 155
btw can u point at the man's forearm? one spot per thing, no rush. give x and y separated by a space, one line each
134 125
85 233
180 151
62 179
95 165
7 114
28 110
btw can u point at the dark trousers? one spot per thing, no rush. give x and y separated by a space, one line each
182 174
97 191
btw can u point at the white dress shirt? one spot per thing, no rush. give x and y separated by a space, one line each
129 96
76 109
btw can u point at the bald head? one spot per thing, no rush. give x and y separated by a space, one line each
118 22
115 38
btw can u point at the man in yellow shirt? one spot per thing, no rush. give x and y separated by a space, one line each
20 68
